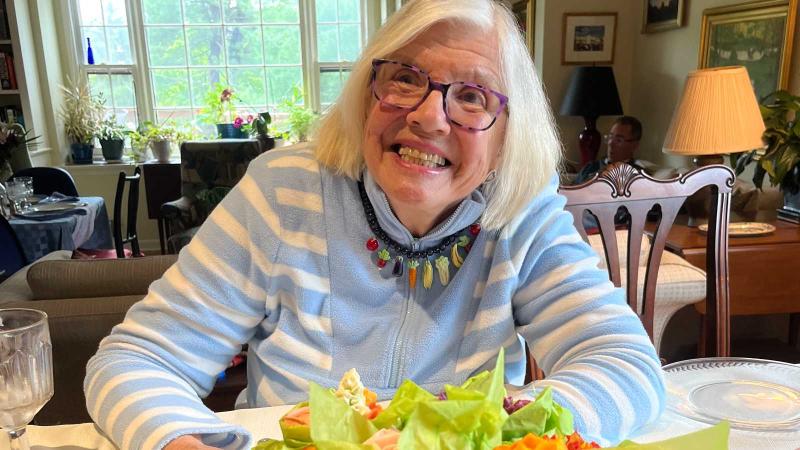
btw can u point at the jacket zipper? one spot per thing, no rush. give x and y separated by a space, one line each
398 350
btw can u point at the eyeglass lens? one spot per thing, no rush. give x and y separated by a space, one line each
466 104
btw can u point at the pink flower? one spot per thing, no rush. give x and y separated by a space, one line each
226 95
237 122
250 118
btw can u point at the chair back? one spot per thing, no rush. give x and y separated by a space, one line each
209 169
12 257
130 235
623 196
47 180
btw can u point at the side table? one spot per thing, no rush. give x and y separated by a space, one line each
762 270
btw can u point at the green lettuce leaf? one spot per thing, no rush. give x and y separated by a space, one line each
453 424
270 444
541 417
333 420
405 400
711 438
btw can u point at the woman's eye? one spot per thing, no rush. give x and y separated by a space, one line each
472 96
406 76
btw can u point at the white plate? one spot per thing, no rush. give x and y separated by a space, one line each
752 394
741 229
51 207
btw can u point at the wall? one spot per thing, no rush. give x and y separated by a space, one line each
549 31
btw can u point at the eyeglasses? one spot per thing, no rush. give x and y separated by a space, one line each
617 139
467 105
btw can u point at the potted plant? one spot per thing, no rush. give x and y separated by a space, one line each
81 113
258 127
111 135
780 160
221 112
300 118
13 139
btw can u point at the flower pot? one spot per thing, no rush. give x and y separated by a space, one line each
228 131
791 201
161 150
112 149
81 153
266 142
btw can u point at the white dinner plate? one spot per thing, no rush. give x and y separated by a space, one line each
744 229
51 207
752 394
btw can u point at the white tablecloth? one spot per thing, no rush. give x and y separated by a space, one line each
263 422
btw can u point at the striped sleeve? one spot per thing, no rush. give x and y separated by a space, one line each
143 385
593 348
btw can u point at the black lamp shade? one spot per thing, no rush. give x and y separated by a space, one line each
592 92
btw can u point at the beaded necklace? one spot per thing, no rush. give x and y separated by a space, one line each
411 259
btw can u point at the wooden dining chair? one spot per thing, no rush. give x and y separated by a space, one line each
623 197
130 235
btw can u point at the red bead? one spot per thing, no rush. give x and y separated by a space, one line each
468 247
474 229
372 244
381 263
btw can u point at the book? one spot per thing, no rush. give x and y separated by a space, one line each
5 81
4 33
12 76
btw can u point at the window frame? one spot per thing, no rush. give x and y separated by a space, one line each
373 13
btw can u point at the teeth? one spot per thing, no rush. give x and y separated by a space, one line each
420 158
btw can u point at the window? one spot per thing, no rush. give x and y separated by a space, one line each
261 48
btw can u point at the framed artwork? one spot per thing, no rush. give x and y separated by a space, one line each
757 35
588 38
660 15
525 12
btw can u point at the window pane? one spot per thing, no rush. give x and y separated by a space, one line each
249 87
349 42
122 87
330 84
326 10
119 45
242 11
280 11
98 41
243 45
176 115
101 87
349 11
162 12
165 45
202 11
280 81
202 81
205 46
91 12
170 87
127 117
114 11
327 43
282 44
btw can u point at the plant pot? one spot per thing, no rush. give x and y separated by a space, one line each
279 142
791 201
266 143
81 153
161 150
112 149
228 131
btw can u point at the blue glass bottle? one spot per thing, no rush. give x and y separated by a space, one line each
89 53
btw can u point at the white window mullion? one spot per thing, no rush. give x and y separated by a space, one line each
308 45
142 82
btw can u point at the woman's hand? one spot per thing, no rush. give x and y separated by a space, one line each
187 442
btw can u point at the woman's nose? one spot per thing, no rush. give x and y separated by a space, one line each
429 116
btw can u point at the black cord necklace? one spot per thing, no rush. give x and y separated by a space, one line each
393 250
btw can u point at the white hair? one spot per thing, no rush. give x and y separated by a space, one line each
531 151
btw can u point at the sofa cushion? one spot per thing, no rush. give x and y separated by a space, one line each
96 278
16 289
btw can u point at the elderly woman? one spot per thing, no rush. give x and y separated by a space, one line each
421 235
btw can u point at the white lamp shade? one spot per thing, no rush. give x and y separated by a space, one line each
717 114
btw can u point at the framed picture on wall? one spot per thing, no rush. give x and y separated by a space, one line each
757 35
524 12
660 15
588 38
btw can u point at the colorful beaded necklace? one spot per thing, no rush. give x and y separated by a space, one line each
411 259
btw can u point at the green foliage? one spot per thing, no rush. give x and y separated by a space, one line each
81 111
259 126
219 105
300 118
111 130
781 159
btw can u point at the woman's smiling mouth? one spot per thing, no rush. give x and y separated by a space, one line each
419 157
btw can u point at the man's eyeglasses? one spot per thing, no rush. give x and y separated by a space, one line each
467 105
617 139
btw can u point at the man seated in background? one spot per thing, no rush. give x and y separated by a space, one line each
622 144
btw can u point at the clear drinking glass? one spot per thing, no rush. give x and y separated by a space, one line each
26 370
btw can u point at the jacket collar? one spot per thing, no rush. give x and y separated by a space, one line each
465 214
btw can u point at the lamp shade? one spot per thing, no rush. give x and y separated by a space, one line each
592 92
717 114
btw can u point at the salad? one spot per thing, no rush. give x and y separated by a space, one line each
475 415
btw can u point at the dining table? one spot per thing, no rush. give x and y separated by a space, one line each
84 226
263 423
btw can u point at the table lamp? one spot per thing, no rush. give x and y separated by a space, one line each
592 92
717 114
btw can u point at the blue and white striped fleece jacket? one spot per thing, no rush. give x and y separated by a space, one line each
281 264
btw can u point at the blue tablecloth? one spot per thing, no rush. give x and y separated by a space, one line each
65 231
